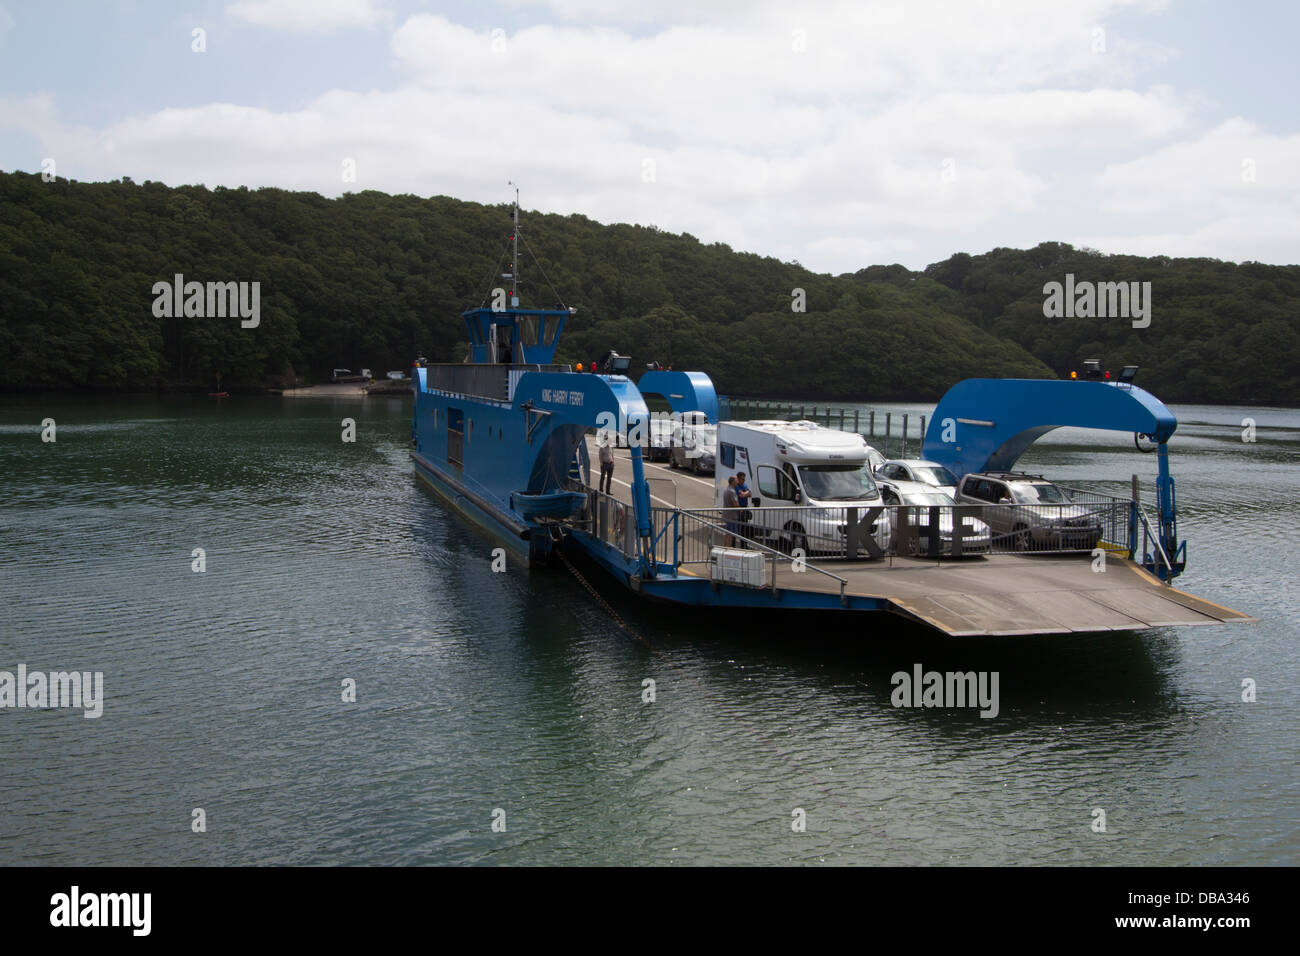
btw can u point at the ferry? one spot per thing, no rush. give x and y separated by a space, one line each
506 438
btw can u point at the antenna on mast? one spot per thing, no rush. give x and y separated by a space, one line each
514 251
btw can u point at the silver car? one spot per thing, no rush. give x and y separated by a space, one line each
919 470
1030 513
977 537
694 447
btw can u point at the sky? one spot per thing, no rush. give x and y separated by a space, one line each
836 135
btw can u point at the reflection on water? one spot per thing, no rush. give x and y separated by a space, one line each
328 561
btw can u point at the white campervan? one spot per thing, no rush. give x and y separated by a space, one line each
802 479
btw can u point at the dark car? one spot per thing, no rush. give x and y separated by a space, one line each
694 447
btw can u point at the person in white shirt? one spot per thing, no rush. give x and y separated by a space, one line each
606 455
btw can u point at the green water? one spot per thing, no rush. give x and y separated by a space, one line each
327 561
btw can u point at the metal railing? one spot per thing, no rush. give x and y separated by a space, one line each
938 531
689 538
891 432
796 536
1149 537
814 530
609 520
680 538
663 489
495 382
1084 496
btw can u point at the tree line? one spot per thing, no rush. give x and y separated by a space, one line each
372 280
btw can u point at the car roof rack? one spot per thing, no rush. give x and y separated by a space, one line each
1016 475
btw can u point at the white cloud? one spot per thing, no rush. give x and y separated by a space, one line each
1259 237
1233 192
1232 167
307 14
884 139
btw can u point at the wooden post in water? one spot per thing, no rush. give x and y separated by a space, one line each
889 428
871 422
856 413
904 455
922 435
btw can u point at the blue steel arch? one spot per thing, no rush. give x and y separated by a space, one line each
684 391
990 423
564 406
993 421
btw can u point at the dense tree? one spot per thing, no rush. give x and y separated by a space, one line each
1218 332
371 280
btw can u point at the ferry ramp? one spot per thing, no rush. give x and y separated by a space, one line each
996 594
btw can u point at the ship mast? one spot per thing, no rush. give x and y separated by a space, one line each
514 250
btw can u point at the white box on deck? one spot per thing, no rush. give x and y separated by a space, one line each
735 566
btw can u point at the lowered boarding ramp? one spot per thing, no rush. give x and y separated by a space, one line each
1009 594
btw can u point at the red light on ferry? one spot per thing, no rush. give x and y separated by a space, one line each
1108 376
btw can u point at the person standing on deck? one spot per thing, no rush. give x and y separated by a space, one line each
606 454
743 494
730 503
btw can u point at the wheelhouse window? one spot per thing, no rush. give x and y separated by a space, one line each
528 331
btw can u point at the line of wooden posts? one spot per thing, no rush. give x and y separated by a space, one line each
849 420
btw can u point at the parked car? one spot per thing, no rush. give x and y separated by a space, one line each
1030 513
921 470
874 458
656 435
977 537
694 447
659 445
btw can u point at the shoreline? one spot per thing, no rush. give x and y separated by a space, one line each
343 390
354 390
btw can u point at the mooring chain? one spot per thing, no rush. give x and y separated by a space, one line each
622 624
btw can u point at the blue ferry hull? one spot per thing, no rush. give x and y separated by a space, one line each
512 534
